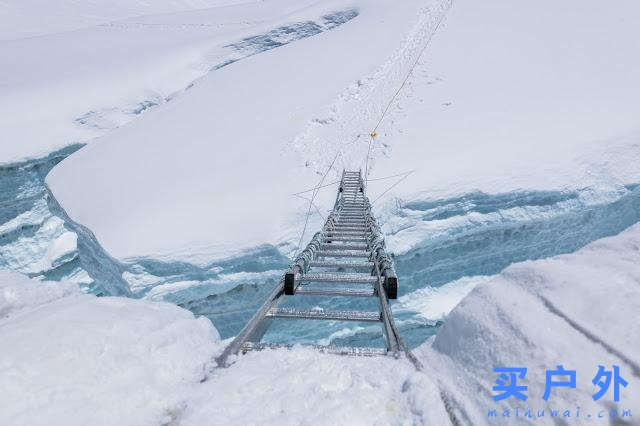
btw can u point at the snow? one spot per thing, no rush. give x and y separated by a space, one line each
509 96
71 358
574 310
435 303
538 96
453 127
29 18
19 293
75 85
191 167
302 386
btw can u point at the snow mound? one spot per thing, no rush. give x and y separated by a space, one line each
76 359
530 316
17 292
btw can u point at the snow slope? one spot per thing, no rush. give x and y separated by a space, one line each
29 18
463 123
576 310
73 86
517 96
201 167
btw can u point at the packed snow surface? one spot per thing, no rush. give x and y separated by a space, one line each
29 18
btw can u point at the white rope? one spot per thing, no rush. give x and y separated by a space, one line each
314 205
395 95
392 176
313 197
392 186
313 189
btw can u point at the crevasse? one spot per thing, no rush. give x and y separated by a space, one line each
443 247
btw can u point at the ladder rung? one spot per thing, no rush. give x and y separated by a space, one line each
336 350
338 277
349 234
360 316
331 246
342 253
347 292
354 265
346 238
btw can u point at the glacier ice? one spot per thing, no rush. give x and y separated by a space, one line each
443 249
38 239
455 244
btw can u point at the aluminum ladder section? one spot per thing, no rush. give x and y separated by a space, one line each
350 252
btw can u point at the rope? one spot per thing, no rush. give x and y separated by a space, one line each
366 163
392 176
313 189
392 186
314 205
374 132
313 197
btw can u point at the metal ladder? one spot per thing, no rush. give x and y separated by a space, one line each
352 262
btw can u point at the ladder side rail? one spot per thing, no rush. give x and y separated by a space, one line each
384 268
383 260
396 344
256 327
302 262
390 333
377 246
